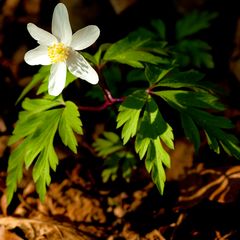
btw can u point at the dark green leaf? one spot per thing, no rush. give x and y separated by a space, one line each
100 51
193 23
159 26
191 99
194 53
191 131
155 73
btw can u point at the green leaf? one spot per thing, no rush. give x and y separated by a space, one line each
108 145
36 128
152 124
110 171
154 164
184 98
193 23
159 48
167 137
189 79
43 135
194 52
98 55
129 112
141 145
129 50
136 75
159 26
191 106
155 73
41 170
150 129
118 159
128 165
206 119
190 129
212 141
89 57
70 123
15 170
229 142
32 117
37 78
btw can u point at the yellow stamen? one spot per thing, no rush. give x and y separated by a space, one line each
58 52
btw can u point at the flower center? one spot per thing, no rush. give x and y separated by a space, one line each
58 52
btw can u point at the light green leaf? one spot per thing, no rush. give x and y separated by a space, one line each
141 145
37 78
154 165
129 50
129 112
108 145
36 128
15 170
117 158
167 137
68 124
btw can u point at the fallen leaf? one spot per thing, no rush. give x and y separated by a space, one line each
7 235
44 229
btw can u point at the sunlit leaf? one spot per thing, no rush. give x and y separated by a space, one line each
37 78
35 129
129 50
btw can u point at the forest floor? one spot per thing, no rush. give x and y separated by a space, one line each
201 198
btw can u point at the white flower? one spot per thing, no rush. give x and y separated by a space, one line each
59 48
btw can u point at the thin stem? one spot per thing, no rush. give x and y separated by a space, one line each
109 99
99 108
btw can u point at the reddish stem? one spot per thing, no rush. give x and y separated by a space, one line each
109 99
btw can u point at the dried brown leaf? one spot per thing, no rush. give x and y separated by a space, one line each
47 229
7 235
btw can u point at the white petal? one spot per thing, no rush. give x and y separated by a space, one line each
43 37
85 37
57 78
60 24
79 67
37 56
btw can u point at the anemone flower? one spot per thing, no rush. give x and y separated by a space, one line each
60 50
